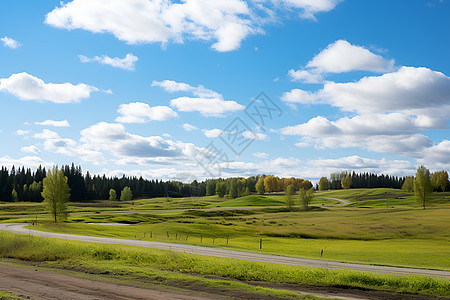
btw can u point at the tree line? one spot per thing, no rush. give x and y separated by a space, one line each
21 184
26 185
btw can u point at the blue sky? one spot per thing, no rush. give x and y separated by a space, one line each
166 89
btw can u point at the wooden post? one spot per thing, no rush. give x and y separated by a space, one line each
176 235
151 234
167 233
260 244
187 238
227 241
214 240
144 235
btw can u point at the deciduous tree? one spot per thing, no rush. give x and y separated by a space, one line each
306 197
126 194
290 191
346 182
56 194
323 184
422 185
112 195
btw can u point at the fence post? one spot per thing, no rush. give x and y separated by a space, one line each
260 243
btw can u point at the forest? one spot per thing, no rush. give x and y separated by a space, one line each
26 185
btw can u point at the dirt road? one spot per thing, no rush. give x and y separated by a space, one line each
38 284
249 256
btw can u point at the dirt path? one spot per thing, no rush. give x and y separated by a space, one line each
39 284
342 202
249 256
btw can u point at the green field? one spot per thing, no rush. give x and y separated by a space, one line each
181 269
362 231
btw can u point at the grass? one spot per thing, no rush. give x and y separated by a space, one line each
4 295
360 232
167 267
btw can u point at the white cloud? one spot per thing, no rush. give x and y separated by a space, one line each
46 134
127 63
142 21
11 43
213 133
392 133
437 156
27 161
255 136
114 138
70 147
409 89
341 56
225 23
299 96
30 149
199 91
418 92
206 106
305 76
22 132
312 7
189 127
138 112
27 87
261 155
63 123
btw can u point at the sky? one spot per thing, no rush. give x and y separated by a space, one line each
198 89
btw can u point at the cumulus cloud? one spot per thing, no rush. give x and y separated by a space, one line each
22 132
206 106
27 87
127 63
143 21
311 7
305 76
199 91
10 43
30 149
189 127
418 92
72 148
408 89
32 162
341 57
255 136
139 112
391 133
63 123
300 96
114 138
46 134
224 23
212 133
261 155
437 156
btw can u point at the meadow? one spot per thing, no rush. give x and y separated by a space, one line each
362 231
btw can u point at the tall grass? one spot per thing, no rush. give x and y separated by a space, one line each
66 254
